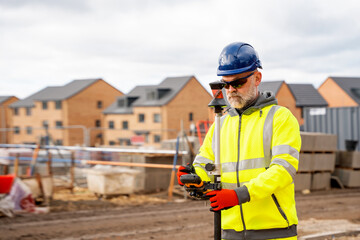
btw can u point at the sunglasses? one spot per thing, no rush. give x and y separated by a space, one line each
237 83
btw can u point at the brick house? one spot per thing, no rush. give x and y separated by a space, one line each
306 95
283 95
5 117
294 96
152 113
341 91
68 114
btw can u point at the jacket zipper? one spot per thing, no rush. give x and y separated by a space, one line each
280 209
237 176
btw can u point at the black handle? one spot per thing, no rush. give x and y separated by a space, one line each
190 178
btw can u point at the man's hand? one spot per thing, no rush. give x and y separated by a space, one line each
183 171
222 199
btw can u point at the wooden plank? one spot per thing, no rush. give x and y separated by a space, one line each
128 164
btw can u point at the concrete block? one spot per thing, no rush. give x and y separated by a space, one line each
307 141
306 162
349 159
302 181
324 161
350 178
321 181
325 142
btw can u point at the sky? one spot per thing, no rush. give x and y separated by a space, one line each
141 42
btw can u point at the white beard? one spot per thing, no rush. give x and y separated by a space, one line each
237 100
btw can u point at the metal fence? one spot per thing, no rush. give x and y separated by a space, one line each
343 122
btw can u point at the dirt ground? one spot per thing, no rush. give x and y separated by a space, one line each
82 216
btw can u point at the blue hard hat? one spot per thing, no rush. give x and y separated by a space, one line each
237 58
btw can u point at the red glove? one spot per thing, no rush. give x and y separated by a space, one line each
222 199
181 171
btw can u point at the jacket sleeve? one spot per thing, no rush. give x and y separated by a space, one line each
285 148
205 155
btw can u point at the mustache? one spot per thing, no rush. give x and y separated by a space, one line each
234 94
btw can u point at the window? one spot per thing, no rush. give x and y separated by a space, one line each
28 111
125 125
111 143
58 105
16 111
191 117
99 104
44 105
45 123
97 123
121 103
111 124
124 142
141 117
58 142
151 95
58 124
356 92
157 138
29 130
157 117
16 130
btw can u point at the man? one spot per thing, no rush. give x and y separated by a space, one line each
259 154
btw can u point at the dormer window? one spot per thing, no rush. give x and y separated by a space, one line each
126 101
356 92
151 95
155 94
121 102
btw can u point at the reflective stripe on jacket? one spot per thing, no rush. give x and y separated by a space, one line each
259 150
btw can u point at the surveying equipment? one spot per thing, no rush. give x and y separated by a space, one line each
197 188
218 103
193 183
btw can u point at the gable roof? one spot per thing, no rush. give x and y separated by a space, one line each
4 98
149 95
306 95
55 93
272 86
351 85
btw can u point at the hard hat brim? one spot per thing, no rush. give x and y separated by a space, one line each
250 68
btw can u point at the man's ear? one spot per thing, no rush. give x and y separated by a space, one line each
258 77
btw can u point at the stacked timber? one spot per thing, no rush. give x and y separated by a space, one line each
316 162
348 168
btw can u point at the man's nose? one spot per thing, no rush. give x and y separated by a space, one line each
232 89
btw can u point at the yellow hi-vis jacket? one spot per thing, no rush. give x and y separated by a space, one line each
259 155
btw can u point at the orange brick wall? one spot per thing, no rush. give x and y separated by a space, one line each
117 132
82 110
35 120
134 125
192 99
5 119
286 99
335 95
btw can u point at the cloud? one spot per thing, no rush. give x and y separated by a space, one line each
140 42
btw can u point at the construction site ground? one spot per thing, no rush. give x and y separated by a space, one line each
83 216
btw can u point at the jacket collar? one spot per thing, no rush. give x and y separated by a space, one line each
265 99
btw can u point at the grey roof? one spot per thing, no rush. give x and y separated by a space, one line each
55 93
351 85
164 93
307 96
272 86
4 98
